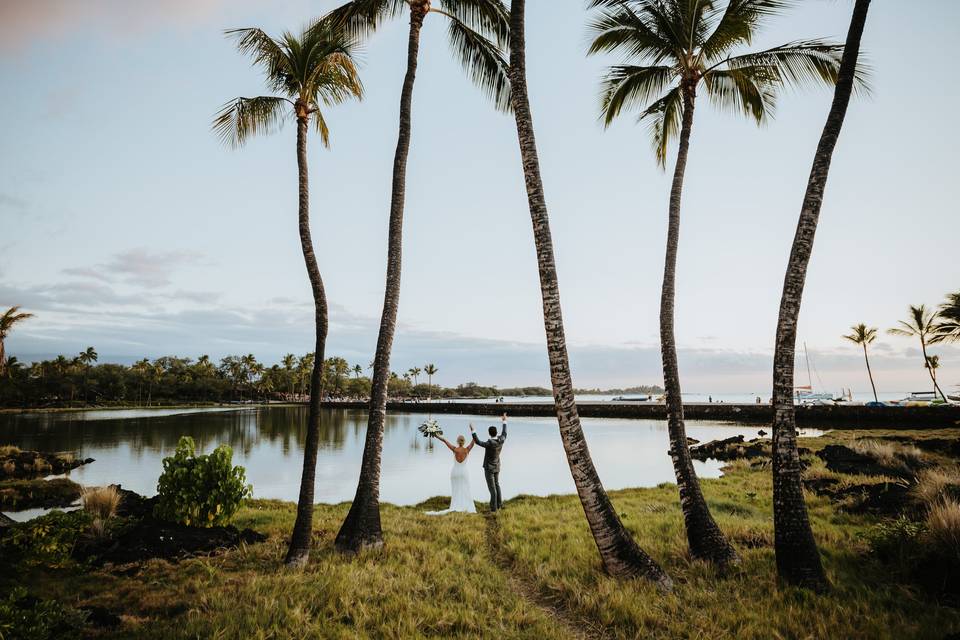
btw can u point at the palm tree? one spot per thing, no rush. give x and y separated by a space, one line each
863 336
933 363
477 31
619 552
674 47
798 560
87 358
948 329
922 324
430 370
308 70
414 373
289 361
357 370
8 320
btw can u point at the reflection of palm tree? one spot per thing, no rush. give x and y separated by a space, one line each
863 336
619 552
922 324
676 47
476 29
948 329
10 318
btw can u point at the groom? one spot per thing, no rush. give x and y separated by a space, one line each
491 461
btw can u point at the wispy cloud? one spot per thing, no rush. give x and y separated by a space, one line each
142 267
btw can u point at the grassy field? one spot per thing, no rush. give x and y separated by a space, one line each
530 572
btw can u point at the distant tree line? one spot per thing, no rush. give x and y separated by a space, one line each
82 381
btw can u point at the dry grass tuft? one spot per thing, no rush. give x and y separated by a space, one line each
101 502
943 526
935 485
9 467
8 450
889 454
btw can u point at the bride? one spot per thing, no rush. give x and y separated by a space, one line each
460 497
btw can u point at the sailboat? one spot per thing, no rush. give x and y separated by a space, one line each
805 394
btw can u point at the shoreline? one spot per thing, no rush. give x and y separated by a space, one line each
834 416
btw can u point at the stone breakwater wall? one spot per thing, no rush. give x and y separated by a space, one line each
834 416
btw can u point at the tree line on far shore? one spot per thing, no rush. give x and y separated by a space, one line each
82 381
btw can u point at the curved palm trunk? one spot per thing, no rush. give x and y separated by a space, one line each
3 358
798 560
706 540
361 528
299 551
870 373
619 552
933 374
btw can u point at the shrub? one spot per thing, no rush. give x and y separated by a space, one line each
204 490
895 539
890 455
47 540
22 616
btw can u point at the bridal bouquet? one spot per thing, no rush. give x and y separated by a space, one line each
430 428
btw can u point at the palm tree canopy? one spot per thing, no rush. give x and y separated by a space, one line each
11 317
948 329
306 71
675 45
921 323
478 31
862 334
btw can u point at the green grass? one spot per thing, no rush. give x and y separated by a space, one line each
533 572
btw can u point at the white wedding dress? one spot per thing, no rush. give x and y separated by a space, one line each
461 500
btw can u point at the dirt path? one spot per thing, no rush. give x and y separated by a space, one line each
575 626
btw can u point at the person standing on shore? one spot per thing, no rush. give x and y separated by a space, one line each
491 461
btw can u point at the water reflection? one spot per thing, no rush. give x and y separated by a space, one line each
269 443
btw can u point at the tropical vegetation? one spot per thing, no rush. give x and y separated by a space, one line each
863 335
922 324
10 318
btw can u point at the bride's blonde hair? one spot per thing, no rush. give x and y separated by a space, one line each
461 440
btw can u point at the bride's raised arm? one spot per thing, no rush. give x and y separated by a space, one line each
444 441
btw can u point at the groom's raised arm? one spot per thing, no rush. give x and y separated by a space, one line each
476 440
503 434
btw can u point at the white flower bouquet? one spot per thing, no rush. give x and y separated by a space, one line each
430 428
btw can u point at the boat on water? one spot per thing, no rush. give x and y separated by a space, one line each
807 395
646 398
923 399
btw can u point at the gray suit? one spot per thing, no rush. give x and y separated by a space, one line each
491 465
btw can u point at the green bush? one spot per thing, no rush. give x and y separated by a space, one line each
48 540
203 491
22 616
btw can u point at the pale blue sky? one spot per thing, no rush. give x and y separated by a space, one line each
125 225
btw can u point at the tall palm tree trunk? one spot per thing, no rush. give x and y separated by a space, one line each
619 552
3 358
704 537
870 373
361 528
299 551
798 560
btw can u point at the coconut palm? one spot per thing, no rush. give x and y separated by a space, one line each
307 71
10 318
87 358
863 336
798 560
357 371
477 31
431 371
948 329
922 323
415 374
619 552
673 48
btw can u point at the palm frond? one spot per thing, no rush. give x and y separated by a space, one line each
666 116
948 329
242 118
626 86
736 23
490 18
483 61
262 48
620 29
748 90
361 17
799 64
322 129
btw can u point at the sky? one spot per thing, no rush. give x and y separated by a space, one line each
126 225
